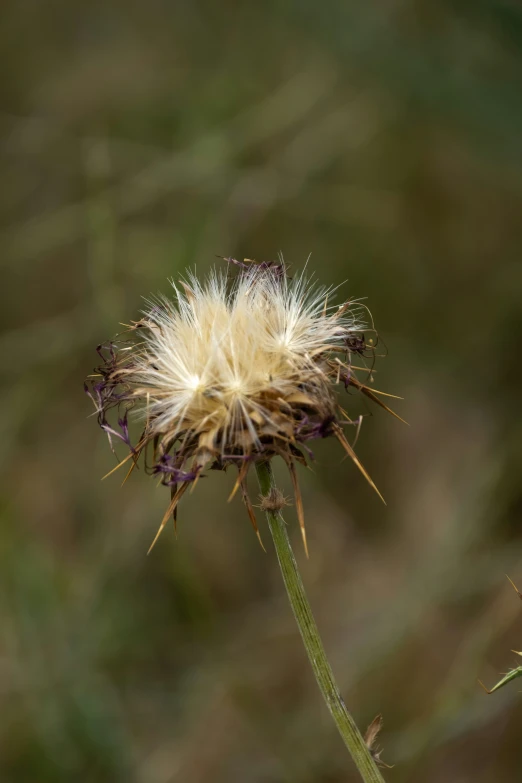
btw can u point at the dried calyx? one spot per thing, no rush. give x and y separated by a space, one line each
232 371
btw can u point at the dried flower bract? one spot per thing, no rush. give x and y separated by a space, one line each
231 371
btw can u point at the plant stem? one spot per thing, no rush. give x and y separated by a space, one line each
312 641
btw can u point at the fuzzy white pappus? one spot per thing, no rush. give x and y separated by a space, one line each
217 357
230 372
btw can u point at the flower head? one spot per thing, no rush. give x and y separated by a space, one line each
229 372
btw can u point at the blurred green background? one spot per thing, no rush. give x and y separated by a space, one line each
139 139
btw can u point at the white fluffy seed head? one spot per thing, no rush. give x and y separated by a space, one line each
227 373
220 358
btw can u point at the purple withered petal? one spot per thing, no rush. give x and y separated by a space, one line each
307 430
180 477
123 436
172 473
346 379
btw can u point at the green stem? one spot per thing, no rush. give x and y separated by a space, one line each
312 641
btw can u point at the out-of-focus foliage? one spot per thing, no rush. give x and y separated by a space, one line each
141 138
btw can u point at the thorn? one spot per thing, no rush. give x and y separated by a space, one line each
514 587
160 530
243 470
134 464
128 457
351 453
251 513
303 535
298 503
384 394
483 686
372 394
170 510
